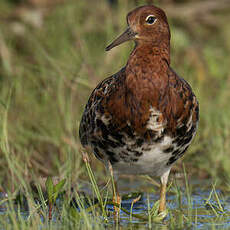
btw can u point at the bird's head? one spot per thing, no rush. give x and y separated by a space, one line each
146 24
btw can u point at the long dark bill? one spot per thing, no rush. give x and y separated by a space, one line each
129 34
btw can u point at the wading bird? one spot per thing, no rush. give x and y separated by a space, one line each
142 119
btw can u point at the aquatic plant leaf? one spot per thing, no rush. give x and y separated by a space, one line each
57 188
49 188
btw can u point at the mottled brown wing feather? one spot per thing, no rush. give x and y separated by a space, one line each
97 105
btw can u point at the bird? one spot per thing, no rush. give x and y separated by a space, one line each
143 118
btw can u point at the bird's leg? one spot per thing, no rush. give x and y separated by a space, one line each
162 205
164 180
116 199
116 196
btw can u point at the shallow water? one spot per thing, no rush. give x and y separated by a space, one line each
200 211
202 206
202 214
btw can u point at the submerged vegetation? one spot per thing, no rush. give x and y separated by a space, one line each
52 54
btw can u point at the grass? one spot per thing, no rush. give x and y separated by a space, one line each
50 60
32 210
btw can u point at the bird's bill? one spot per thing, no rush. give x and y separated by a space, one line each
129 34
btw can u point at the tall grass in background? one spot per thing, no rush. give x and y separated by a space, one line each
51 59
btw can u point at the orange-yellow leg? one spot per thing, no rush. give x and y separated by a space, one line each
116 196
116 200
162 205
164 180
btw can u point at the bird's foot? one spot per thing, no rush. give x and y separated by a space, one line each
160 216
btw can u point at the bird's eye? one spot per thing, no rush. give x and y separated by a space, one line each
150 19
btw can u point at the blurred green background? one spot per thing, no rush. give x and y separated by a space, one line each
52 55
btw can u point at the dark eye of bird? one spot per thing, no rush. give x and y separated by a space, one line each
150 19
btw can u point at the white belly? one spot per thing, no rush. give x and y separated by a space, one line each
152 162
